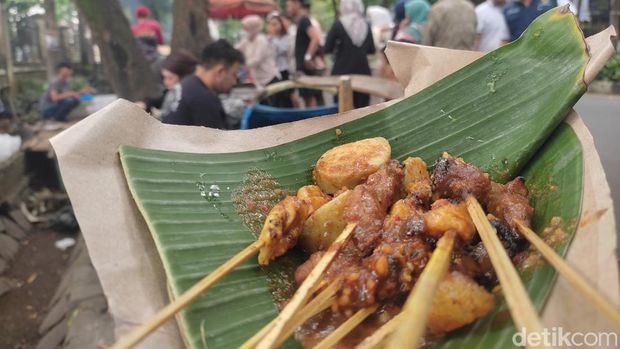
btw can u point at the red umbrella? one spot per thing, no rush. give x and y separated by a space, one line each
226 9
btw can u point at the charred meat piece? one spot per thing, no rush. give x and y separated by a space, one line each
368 204
417 182
512 241
510 202
405 220
464 262
453 178
486 274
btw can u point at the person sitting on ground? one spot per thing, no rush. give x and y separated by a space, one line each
59 100
217 73
174 68
4 113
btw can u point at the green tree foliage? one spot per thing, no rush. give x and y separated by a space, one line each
20 9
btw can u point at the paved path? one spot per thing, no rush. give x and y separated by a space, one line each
601 114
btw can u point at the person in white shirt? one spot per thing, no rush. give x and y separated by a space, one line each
492 28
259 56
584 11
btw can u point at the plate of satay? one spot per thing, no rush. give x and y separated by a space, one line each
439 221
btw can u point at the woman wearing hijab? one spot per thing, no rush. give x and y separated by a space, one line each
350 40
416 13
259 56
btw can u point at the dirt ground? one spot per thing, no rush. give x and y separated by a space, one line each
39 265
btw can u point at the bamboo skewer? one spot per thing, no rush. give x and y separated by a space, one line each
420 298
589 292
186 298
375 339
519 304
274 337
419 303
321 302
345 328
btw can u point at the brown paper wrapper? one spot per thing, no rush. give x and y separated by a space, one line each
125 257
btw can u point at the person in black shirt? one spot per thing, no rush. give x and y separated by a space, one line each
350 38
217 73
307 42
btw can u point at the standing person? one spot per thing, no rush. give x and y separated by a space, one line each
281 45
416 15
259 57
492 28
451 24
59 100
399 16
147 31
145 26
350 39
520 13
307 42
217 73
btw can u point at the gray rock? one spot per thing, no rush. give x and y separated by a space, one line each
7 284
91 325
59 311
13 230
54 337
85 291
62 290
8 247
21 220
3 266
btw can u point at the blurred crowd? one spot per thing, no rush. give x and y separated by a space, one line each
274 48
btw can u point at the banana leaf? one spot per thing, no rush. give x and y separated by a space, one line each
502 113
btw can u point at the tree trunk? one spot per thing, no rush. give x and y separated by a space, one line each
86 46
53 52
614 16
8 59
126 68
335 7
190 28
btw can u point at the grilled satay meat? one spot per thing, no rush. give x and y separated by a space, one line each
368 204
394 265
459 301
387 252
417 182
510 202
285 221
455 179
